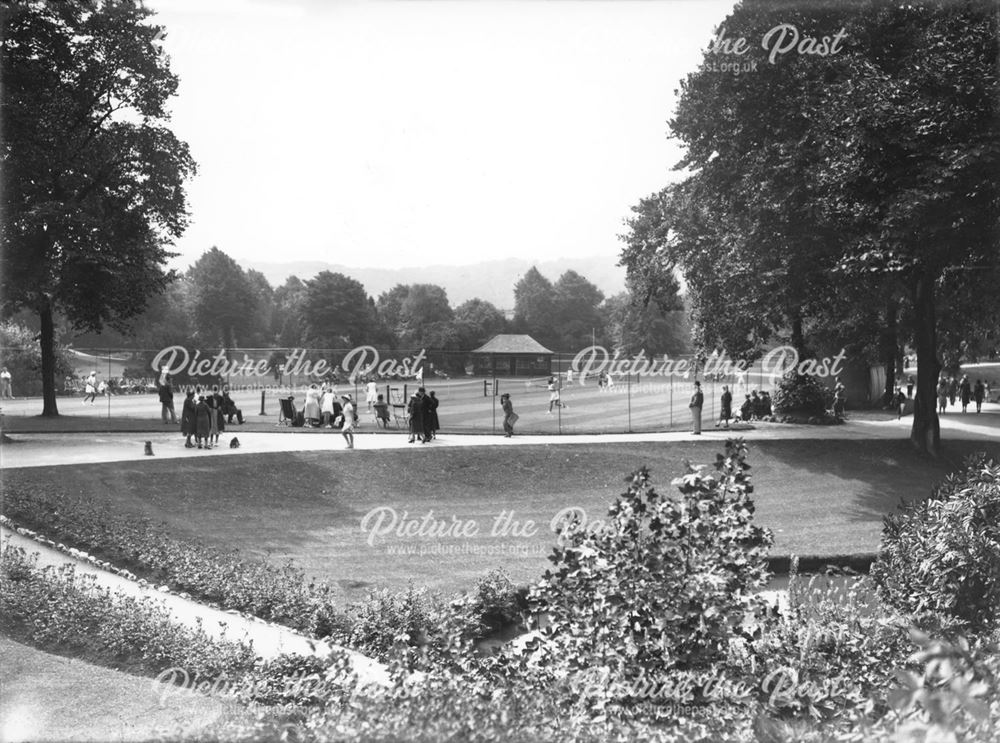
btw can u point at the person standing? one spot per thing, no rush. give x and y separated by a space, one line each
415 410
90 388
965 390
553 394
428 404
326 407
899 400
188 419
979 394
433 414
509 416
953 391
202 424
942 391
839 397
371 394
347 430
697 402
6 388
909 387
214 420
727 406
167 401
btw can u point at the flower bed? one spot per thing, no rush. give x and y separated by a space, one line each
59 611
138 549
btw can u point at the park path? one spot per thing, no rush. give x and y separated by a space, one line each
54 449
269 640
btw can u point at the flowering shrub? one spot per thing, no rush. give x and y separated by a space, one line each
666 583
943 554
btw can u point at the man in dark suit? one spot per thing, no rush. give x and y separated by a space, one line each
697 402
415 408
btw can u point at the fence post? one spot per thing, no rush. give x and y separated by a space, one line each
628 387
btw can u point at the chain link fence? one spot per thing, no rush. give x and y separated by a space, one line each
552 394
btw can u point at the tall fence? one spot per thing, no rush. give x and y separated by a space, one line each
559 394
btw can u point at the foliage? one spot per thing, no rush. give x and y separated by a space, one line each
425 306
334 312
60 611
576 312
533 307
942 554
93 179
479 321
224 304
799 393
666 583
819 180
19 352
278 593
653 328
414 628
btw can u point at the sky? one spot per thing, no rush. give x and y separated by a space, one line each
398 133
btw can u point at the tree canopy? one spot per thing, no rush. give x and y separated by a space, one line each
817 183
93 179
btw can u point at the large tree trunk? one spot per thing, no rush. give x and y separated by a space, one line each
890 349
798 337
926 431
48 347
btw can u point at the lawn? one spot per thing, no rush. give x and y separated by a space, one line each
819 497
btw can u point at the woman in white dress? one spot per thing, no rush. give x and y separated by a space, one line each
371 394
312 409
326 406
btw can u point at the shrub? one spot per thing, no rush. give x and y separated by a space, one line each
942 554
799 393
277 593
666 583
61 612
497 602
413 628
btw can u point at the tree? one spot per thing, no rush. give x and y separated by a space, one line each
634 326
425 305
93 180
819 179
390 306
335 312
534 298
223 303
914 148
479 321
287 324
263 320
576 316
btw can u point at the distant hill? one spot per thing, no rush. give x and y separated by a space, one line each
490 280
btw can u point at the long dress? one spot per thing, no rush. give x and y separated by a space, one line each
416 411
312 409
188 417
202 420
